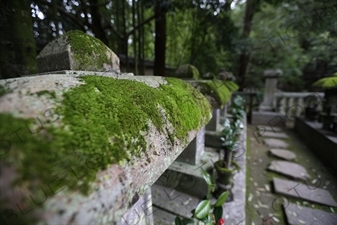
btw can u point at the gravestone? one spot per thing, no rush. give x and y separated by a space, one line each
271 77
304 192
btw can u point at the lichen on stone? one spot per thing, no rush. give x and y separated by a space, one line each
103 122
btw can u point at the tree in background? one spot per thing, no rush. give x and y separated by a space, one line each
17 44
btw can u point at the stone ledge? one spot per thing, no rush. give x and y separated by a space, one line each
116 187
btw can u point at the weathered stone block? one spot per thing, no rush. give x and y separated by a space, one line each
214 122
93 143
76 50
194 151
187 71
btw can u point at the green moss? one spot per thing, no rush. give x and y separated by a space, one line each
3 90
188 71
221 91
89 52
327 82
103 123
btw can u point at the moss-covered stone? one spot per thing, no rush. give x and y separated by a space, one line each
76 50
220 90
327 82
188 71
103 122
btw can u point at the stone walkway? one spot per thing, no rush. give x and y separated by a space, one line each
305 191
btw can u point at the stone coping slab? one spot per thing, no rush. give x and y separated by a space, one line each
115 186
275 143
303 191
307 216
282 153
289 169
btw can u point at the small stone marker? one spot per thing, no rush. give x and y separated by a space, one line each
302 191
76 50
282 153
275 143
289 169
308 216
273 135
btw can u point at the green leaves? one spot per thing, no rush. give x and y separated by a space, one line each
184 221
202 209
222 199
218 211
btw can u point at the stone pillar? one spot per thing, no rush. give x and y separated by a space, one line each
141 212
193 152
214 122
270 88
223 112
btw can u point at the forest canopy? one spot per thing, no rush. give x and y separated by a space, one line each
242 37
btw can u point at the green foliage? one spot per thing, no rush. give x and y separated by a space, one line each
327 82
202 211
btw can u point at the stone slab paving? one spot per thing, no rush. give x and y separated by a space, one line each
269 128
271 134
275 143
162 217
302 191
303 215
289 169
282 153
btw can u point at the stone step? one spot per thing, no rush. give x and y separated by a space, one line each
303 215
283 154
162 217
271 134
303 191
275 143
289 169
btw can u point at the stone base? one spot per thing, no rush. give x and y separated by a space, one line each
272 119
214 122
194 151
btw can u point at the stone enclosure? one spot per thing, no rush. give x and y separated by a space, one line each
83 143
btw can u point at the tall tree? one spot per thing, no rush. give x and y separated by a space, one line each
17 44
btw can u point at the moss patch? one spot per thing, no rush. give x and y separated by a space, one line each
188 71
220 90
103 123
327 82
51 94
89 52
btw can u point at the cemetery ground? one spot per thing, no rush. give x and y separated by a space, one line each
263 204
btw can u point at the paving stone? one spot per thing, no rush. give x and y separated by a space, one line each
269 128
282 153
289 169
308 216
162 217
274 135
303 191
275 143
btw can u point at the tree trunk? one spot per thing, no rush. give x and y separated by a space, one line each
97 27
17 44
244 58
160 41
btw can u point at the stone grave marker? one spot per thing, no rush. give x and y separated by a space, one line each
289 169
282 153
308 216
302 191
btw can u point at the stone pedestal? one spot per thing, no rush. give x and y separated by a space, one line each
270 88
194 151
141 212
214 122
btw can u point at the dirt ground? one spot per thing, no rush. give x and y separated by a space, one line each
263 206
